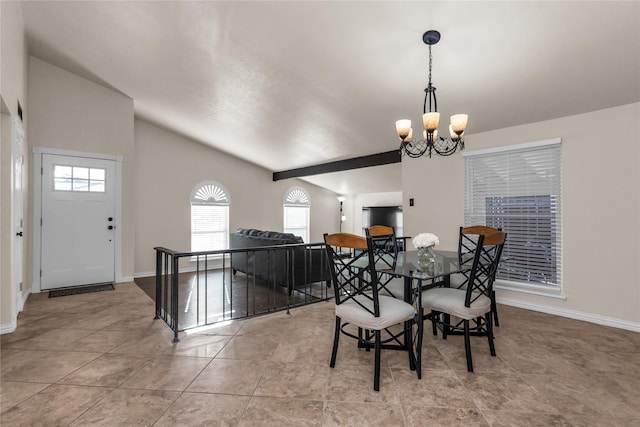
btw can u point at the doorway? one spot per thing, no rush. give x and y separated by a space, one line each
78 215
17 194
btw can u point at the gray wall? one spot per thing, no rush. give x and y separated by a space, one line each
72 113
600 210
169 166
160 168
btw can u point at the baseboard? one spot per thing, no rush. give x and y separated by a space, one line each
125 279
23 300
7 328
573 314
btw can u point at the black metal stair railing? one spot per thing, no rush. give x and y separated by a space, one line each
195 289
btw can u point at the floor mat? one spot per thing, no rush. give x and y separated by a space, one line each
81 290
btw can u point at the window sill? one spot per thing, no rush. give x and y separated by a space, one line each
538 290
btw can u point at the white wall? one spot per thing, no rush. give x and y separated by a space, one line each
13 89
71 113
168 166
601 210
354 204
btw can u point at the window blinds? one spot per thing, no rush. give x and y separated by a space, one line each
209 227
296 221
518 189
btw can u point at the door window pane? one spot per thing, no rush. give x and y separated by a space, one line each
73 178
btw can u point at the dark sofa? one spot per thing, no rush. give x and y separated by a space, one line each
295 267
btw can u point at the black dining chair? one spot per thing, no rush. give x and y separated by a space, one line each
386 254
358 302
467 242
467 311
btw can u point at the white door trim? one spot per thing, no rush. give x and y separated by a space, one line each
37 207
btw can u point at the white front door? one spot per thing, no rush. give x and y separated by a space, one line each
78 221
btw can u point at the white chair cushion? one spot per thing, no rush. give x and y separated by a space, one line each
457 280
395 287
451 301
381 264
392 312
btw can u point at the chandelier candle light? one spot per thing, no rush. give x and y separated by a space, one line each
431 140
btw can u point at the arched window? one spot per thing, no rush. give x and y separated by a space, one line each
209 217
296 212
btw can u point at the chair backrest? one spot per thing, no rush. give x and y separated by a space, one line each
468 239
385 252
486 257
386 248
354 278
380 230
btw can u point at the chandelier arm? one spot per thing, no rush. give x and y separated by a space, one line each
430 96
441 146
414 148
447 146
426 96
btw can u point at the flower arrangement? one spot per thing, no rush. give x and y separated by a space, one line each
425 240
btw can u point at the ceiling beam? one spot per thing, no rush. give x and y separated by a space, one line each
379 159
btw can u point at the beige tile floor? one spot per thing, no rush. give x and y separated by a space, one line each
101 359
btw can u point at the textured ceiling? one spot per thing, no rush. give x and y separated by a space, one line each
292 84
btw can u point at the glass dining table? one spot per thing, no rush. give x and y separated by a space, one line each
415 282
406 266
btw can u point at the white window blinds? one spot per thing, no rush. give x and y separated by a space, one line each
518 189
209 217
296 212
209 227
296 221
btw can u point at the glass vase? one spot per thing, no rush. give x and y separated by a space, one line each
426 260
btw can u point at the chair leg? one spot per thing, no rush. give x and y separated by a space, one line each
434 321
467 345
376 373
446 321
336 338
418 347
489 320
494 308
408 342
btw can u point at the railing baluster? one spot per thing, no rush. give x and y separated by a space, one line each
280 258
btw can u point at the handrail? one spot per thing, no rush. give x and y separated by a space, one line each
187 298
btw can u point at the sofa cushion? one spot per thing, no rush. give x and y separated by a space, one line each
283 238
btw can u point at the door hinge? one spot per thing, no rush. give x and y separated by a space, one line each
40 273
20 286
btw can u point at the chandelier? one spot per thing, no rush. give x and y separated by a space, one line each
431 141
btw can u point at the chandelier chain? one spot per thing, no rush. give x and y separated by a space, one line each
430 61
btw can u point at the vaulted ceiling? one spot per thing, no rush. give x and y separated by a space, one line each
292 84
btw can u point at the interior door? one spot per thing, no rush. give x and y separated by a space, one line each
78 221
17 194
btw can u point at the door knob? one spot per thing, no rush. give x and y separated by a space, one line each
110 227
110 219
19 234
